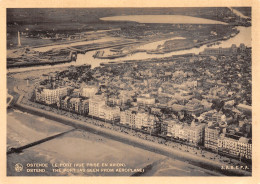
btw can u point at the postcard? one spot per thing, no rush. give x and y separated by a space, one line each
134 92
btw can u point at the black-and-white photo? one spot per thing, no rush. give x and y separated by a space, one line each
129 91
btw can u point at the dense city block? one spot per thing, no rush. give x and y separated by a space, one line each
201 100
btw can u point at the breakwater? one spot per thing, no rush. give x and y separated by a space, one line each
20 149
71 57
19 65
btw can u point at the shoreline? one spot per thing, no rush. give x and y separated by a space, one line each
130 140
155 53
72 49
24 65
166 51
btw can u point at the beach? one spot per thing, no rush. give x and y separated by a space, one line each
82 147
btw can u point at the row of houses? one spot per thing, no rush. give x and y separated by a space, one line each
193 133
190 107
86 103
98 108
139 119
218 140
78 105
212 135
46 94
223 51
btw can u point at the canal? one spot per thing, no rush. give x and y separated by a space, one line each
244 36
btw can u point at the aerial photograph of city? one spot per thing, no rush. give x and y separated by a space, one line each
129 91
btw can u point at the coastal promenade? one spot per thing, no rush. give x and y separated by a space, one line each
135 141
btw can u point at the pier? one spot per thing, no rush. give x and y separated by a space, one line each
20 149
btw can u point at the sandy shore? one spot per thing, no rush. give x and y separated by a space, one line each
86 147
75 147
24 129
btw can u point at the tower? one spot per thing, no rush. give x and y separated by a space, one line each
19 40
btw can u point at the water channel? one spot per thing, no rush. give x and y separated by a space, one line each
244 36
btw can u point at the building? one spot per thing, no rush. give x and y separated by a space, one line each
245 147
63 103
227 143
211 137
195 133
144 120
180 132
123 98
220 51
244 108
75 104
223 51
84 107
95 104
235 146
124 119
50 95
214 117
168 127
145 100
140 120
194 108
88 91
109 113
98 108
127 117
115 101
